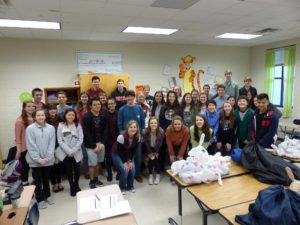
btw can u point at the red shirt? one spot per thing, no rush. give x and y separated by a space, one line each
94 93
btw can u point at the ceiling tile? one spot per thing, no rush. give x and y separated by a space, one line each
18 33
82 6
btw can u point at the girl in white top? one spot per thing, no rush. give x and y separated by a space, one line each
70 138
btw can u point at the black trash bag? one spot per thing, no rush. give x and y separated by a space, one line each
274 205
266 167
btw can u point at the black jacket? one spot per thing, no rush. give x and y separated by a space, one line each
89 130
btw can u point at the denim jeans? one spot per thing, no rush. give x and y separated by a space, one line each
126 177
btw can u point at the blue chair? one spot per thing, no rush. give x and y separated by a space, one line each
33 215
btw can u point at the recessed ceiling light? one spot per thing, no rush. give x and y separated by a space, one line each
149 30
29 24
238 36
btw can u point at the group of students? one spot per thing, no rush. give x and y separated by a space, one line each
121 132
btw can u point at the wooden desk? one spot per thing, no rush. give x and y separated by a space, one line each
229 213
21 212
235 169
284 125
127 219
26 197
235 190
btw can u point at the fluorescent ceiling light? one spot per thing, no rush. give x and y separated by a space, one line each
238 36
29 24
149 30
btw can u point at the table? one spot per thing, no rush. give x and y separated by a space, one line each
235 169
284 125
235 190
127 219
21 212
229 213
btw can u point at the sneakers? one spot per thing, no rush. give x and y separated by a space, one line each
92 184
150 180
123 192
139 179
42 205
157 179
132 190
50 200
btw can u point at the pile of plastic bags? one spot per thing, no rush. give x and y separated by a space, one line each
289 148
200 167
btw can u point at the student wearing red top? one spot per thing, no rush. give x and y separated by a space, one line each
37 95
177 137
24 120
81 109
95 90
113 132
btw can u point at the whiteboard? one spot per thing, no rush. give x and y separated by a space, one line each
93 62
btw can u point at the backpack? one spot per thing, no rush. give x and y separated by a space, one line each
12 171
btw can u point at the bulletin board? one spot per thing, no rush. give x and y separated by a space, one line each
108 82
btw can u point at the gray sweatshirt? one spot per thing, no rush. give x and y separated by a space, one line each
70 141
40 144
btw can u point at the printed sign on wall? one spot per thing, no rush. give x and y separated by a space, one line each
108 63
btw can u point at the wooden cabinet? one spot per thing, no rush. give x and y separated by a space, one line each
73 94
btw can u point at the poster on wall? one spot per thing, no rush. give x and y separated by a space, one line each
93 62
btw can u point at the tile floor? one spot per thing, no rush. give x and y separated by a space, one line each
150 204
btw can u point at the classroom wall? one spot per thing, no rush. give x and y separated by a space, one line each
257 68
26 64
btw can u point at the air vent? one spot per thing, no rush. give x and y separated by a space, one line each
266 30
174 4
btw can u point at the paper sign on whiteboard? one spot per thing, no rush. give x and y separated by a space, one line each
99 62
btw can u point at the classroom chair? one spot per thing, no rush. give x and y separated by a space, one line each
33 215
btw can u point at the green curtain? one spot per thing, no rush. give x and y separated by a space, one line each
270 73
289 66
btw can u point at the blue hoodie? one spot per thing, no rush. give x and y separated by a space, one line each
213 121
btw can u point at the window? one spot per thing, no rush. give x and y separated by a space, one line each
278 85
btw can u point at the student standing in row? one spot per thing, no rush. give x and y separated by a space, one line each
123 153
149 98
212 117
22 122
40 139
231 87
158 103
153 137
81 109
57 168
70 139
128 112
37 95
187 109
95 134
95 90
119 94
264 122
243 115
113 132
226 135
62 104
